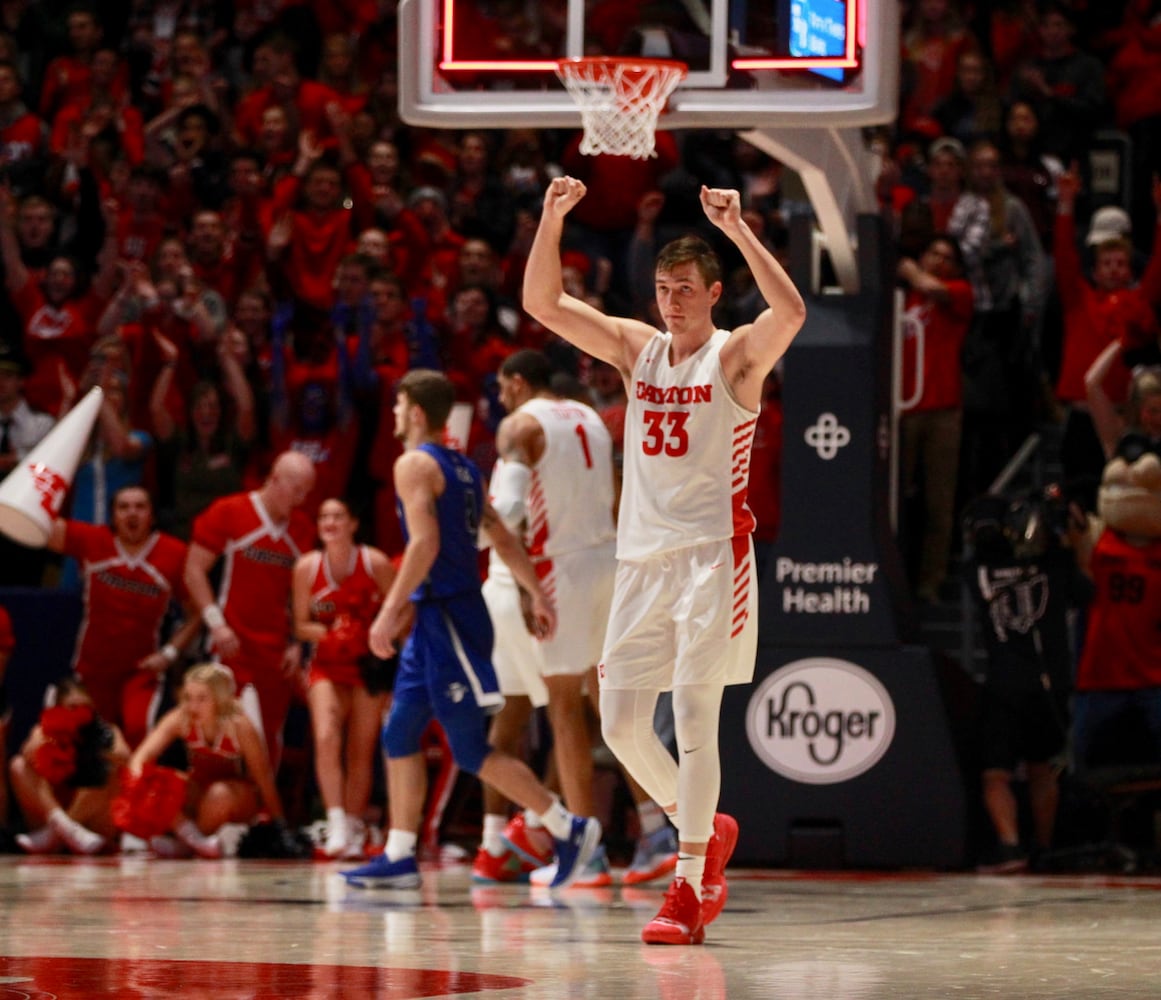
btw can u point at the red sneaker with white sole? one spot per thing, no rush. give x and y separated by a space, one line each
679 920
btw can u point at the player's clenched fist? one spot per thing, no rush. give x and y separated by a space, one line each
562 194
723 206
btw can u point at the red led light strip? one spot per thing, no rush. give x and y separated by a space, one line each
856 33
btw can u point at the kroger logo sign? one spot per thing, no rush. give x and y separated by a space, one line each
820 721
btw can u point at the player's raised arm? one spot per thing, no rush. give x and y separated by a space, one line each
765 340
617 341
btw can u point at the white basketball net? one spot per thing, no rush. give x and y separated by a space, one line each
620 102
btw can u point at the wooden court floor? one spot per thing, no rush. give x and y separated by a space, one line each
138 927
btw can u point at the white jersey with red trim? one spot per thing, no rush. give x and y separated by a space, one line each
570 497
687 453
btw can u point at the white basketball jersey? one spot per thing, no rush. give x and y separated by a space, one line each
570 498
687 453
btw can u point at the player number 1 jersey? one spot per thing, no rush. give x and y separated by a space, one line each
570 499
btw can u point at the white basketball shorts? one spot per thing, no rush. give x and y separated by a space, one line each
516 655
688 616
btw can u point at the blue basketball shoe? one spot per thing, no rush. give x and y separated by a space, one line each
574 853
379 873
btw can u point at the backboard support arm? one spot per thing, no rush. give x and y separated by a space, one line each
836 169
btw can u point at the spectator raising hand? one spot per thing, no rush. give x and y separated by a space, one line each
1097 312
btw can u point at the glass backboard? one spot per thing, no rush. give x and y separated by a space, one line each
752 63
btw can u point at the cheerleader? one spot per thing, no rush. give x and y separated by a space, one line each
337 592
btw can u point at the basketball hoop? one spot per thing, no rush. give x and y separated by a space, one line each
620 100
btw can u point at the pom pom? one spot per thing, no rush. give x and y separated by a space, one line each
148 804
55 761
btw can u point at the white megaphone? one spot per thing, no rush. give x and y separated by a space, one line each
32 494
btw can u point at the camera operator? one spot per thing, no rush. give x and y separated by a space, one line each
1024 579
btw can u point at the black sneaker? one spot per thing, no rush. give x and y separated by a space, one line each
1006 860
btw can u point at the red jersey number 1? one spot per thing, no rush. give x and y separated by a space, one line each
584 443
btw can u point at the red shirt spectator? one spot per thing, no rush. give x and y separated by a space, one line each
389 352
937 316
1014 34
425 249
1105 309
309 241
22 138
68 78
7 635
309 98
223 260
59 328
1134 72
477 343
375 183
101 106
80 125
337 69
942 324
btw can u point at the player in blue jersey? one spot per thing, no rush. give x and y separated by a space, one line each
445 667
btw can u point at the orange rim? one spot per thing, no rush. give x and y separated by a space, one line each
641 64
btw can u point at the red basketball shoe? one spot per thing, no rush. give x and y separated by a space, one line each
714 890
506 867
680 919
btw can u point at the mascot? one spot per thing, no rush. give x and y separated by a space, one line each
1118 682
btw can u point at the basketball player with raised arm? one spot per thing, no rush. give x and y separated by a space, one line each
685 605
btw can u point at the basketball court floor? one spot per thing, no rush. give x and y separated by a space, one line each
135 927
